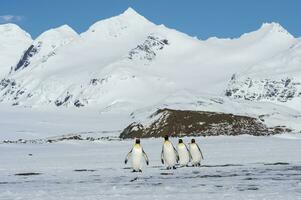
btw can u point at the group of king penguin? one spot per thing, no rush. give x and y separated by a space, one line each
170 156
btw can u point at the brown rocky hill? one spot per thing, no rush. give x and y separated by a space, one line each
197 123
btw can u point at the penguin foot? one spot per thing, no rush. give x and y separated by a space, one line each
137 170
174 167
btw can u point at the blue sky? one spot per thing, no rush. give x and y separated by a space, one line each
201 18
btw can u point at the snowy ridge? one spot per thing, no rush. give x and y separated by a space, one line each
80 75
13 42
118 25
45 46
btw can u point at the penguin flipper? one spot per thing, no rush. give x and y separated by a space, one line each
145 157
162 156
190 156
200 151
177 154
128 156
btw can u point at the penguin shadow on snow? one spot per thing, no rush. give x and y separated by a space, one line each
28 174
85 170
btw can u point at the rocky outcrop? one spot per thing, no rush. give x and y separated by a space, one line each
25 60
197 123
282 90
12 91
147 50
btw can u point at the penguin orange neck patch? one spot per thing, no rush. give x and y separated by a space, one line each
166 142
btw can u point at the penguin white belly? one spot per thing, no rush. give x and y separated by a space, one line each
195 154
183 154
136 158
170 157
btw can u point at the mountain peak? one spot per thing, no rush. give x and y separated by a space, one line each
271 26
65 28
131 14
61 31
115 25
130 11
10 26
273 31
274 27
13 30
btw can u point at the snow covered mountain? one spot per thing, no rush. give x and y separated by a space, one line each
276 79
127 62
45 46
124 59
13 42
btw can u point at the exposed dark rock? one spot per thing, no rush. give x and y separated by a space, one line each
147 50
263 89
59 102
198 123
94 81
78 103
59 139
4 83
73 137
25 60
11 90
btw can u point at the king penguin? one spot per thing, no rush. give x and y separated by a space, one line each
136 155
169 154
196 153
184 154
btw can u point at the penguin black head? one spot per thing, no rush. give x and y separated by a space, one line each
166 137
137 141
192 140
180 141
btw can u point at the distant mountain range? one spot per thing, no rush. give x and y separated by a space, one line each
127 62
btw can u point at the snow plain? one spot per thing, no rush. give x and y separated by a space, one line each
243 167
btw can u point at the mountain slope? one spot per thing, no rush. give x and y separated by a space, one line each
45 46
277 79
13 41
127 60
